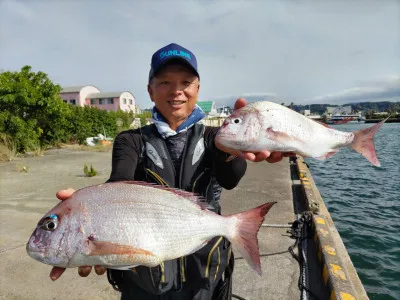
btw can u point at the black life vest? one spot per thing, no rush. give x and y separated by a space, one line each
155 164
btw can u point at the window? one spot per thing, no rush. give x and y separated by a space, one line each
124 101
110 101
102 101
72 101
130 101
65 101
92 101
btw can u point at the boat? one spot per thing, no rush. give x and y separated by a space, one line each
338 119
344 119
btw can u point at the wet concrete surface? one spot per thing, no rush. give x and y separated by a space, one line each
26 196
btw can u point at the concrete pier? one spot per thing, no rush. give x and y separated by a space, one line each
262 183
27 191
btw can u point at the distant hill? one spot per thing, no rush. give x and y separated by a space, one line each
362 106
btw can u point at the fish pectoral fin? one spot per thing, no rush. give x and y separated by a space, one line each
280 136
327 155
107 248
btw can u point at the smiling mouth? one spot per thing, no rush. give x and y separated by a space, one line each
176 102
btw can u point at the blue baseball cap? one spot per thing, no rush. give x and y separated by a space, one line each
172 52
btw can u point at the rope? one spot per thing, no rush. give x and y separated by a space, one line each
299 232
277 225
12 248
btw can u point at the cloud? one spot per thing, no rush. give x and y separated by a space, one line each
375 91
229 100
296 50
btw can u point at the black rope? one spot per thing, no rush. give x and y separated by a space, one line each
299 231
237 297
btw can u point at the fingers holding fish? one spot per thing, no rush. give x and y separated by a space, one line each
65 194
275 157
84 271
56 273
256 156
241 102
99 270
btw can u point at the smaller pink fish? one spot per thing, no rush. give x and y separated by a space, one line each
264 125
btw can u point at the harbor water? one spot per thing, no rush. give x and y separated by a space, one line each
364 202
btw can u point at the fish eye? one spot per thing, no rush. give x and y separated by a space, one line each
236 121
50 223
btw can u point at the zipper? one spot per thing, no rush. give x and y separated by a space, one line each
183 161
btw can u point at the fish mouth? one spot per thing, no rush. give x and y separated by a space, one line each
36 254
230 141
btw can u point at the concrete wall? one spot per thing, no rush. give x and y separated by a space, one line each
127 102
85 91
69 97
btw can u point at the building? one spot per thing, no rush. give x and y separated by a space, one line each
225 111
112 101
89 95
209 107
339 110
76 95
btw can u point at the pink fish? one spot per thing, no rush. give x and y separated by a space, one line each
124 224
264 125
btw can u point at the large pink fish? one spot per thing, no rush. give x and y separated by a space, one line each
124 224
264 125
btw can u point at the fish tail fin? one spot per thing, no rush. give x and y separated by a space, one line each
245 238
363 142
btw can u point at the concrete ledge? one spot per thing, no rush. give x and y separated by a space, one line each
339 274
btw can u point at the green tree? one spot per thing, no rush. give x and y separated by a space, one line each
32 113
143 116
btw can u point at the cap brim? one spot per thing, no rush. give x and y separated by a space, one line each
170 60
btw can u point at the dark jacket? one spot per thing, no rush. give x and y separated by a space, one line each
189 161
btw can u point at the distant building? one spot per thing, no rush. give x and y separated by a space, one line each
76 95
137 109
308 114
225 111
339 110
209 107
89 95
112 101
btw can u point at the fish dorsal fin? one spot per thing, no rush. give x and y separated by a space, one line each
195 198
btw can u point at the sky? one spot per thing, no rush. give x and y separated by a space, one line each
305 52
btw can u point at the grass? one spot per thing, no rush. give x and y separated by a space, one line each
89 172
7 148
96 148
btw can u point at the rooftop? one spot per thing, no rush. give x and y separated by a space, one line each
205 105
72 89
105 95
